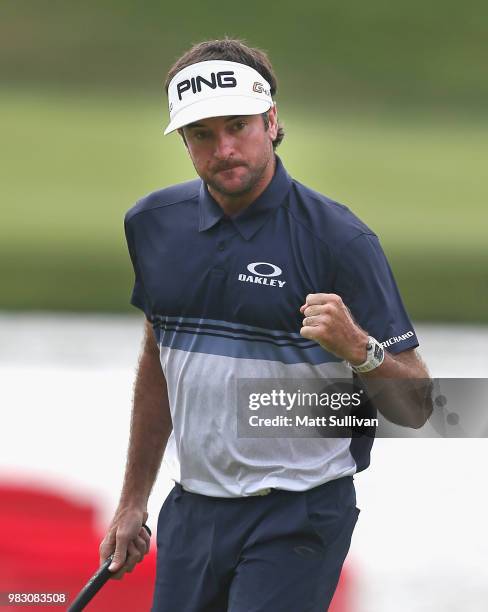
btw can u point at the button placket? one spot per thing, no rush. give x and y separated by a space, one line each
226 232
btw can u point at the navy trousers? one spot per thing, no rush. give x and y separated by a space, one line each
281 552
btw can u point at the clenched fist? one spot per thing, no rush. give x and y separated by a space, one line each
329 322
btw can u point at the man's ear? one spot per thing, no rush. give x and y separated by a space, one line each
273 121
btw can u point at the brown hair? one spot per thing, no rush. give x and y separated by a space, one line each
230 50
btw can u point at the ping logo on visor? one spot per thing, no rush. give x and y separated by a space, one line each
214 89
224 78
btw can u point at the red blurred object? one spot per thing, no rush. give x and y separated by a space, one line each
49 544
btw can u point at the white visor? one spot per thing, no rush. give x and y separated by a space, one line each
215 89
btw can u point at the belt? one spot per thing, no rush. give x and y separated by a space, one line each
260 492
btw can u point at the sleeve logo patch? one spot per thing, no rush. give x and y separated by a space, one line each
395 339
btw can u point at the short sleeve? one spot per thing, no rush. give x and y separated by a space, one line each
139 298
366 284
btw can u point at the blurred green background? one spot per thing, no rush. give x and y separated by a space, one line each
384 106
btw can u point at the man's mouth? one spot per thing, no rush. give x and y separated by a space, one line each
227 168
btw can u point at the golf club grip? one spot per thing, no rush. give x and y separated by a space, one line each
92 587
96 582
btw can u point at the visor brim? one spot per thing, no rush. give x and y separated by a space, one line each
217 107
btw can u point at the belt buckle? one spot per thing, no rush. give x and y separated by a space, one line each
261 492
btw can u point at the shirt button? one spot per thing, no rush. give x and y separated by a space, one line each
221 246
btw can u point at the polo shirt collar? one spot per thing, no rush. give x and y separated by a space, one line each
253 217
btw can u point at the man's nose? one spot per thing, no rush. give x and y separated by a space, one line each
224 146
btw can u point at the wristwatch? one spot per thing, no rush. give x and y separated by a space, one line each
374 357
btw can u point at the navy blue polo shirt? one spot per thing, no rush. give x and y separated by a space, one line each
223 295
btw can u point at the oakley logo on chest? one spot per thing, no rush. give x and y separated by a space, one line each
222 79
262 273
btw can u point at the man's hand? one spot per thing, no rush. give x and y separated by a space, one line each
329 322
128 538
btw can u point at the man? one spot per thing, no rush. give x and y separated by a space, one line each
246 273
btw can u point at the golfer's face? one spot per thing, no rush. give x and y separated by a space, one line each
230 153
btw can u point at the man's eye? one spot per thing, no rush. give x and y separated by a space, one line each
200 135
239 125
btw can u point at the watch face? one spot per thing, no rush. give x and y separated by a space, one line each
378 351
